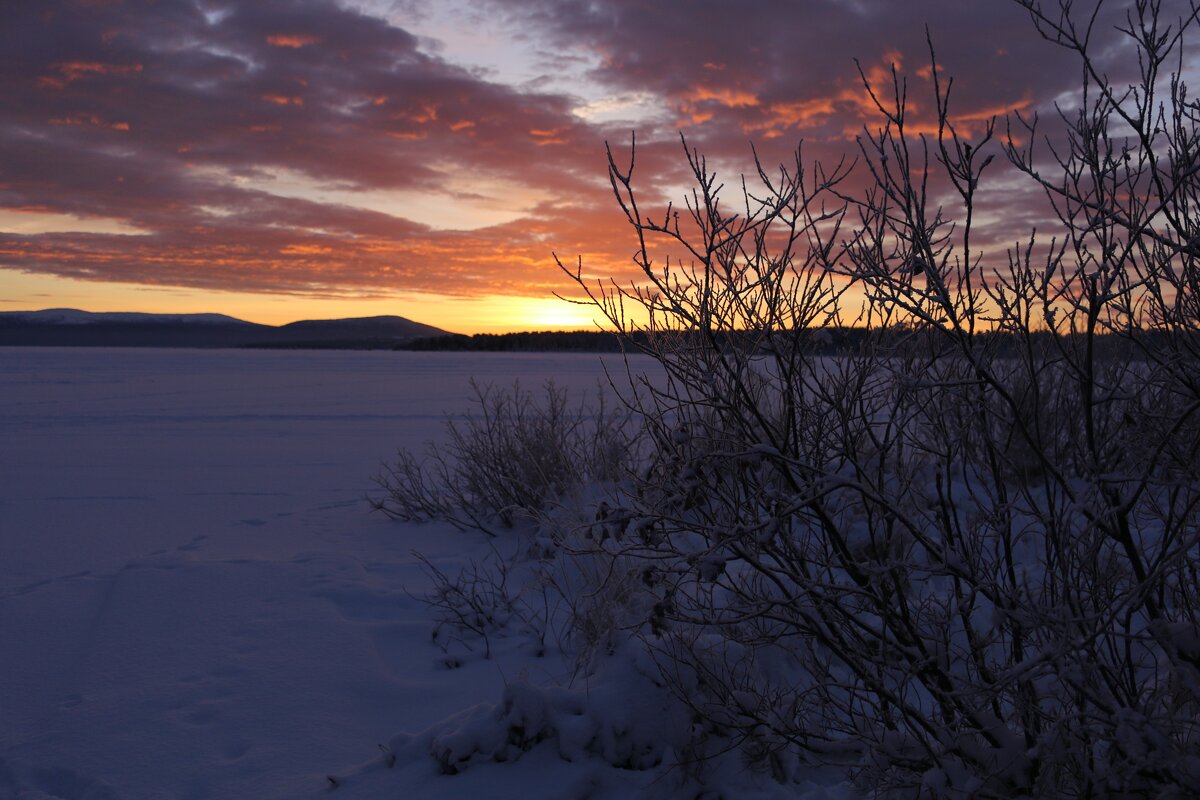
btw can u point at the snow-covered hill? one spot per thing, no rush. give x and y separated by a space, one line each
73 316
69 327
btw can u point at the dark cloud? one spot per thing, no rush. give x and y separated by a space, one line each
173 116
788 68
182 119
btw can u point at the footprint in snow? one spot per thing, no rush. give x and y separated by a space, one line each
60 782
70 701
194 544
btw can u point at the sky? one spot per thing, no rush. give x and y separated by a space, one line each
294 159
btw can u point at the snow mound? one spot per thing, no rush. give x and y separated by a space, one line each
626 720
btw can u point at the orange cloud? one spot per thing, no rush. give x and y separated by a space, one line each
428 113
697 104
89 119
384 120
781 116
968 124
696 117
551 136
292 40
972 122
730 98
306 250
859 108
71 71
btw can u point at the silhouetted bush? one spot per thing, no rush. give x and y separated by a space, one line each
509 459
958 558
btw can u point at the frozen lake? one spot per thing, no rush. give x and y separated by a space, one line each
195 600
105 448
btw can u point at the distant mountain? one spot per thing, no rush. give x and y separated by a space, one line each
395 328
68 327
72 316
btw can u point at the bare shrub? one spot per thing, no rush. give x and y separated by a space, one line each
958 559
473 605
519 457
509 459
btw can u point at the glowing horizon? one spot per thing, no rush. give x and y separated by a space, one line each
308 160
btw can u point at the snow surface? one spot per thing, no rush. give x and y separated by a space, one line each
196 601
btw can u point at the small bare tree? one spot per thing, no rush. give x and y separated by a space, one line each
959 557
509 459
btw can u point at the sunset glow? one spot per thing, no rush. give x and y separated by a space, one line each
284 160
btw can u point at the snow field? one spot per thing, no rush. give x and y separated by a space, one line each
196 602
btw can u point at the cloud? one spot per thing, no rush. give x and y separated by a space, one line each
159 113
233 137
292 40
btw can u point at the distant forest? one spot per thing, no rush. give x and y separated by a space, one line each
525 342
826 341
